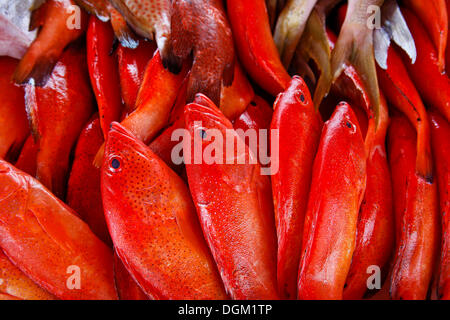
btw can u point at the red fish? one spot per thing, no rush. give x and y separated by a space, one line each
433 15
234 205
433 85
46 240
83 189
152 222
104 72
105 11
402 94
201 27
27 158
58 112
255 46
14 128
416 216
57 22
300 127
155 100
440 130
132 64
337 189
148 18
127 288
16 285
235 98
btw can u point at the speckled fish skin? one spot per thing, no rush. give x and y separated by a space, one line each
14 284
153 224
201 27
235 208
45 238
105 11
148 17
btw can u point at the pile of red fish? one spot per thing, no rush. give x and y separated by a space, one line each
93 204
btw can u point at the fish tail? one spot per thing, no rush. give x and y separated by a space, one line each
122 31
357 50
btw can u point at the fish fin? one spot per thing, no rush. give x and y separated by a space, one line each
393 27
315 45
37 17
36 67
356 48
97 8
98 160
290 26
122 31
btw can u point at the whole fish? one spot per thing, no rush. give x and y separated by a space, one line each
58 112
234 205
59 24
148 18
47 241
300 127
201 27
153 224
14 128
337 189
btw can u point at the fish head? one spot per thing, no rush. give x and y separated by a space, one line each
125 163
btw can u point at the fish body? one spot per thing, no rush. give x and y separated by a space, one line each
416 208
440 130
47 241
300 127
83 187
337 189
14 127
234 205
153 224
58 112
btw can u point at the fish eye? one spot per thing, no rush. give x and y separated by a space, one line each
301 97
115 163
203 134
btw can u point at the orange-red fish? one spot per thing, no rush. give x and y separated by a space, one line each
59 23
47 241
153 224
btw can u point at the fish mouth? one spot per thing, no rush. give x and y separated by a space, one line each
204 109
